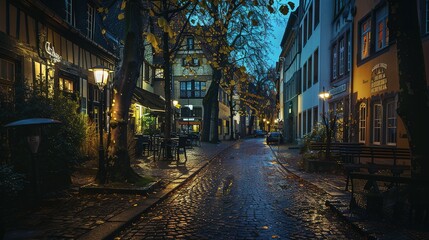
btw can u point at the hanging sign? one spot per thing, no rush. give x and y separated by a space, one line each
55 57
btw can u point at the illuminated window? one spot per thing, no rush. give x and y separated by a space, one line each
362 122
365 38
66 85
381 28
159 73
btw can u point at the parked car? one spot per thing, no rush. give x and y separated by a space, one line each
259 133
274 137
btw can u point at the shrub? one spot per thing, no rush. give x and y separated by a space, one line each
60 147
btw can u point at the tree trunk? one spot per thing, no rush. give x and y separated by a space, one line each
211 110
205 136
413 96
251 123
231 116
167 88
124 84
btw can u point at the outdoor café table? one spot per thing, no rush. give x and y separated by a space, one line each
163 145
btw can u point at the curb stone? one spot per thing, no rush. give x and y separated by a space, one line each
329 203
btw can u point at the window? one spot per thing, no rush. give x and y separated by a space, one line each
66 85
362 122
299 125
159 73
334 62
365 39
341 62
186 112
304 77
198 112
304 122
191 62
315 115
309 79
192 89
190 43
7 79
200 88
96 94
309 120
310 21
382 32
391 123
7 70
316 12
69 12
147 71
349 52
316 66
90 22
305 30
377 120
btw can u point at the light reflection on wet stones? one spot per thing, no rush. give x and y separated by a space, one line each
243 195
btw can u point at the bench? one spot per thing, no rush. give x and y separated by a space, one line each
335 148
374 198
375 158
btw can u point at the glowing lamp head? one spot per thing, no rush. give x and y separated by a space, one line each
101 75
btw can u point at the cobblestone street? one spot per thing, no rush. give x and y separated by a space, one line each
243 194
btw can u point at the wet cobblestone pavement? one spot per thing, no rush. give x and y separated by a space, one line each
243 194
73 214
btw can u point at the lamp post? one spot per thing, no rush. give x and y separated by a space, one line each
190 106
33 126
324 96
176 106
326 122
101 76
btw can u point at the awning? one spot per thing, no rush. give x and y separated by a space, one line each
149 100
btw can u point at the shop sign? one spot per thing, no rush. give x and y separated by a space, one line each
338 90
379 78
55 57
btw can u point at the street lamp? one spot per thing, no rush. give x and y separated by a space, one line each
33 126
324 96
190 106
101 76
176 105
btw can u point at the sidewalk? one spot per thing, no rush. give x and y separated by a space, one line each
77 215
289 157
